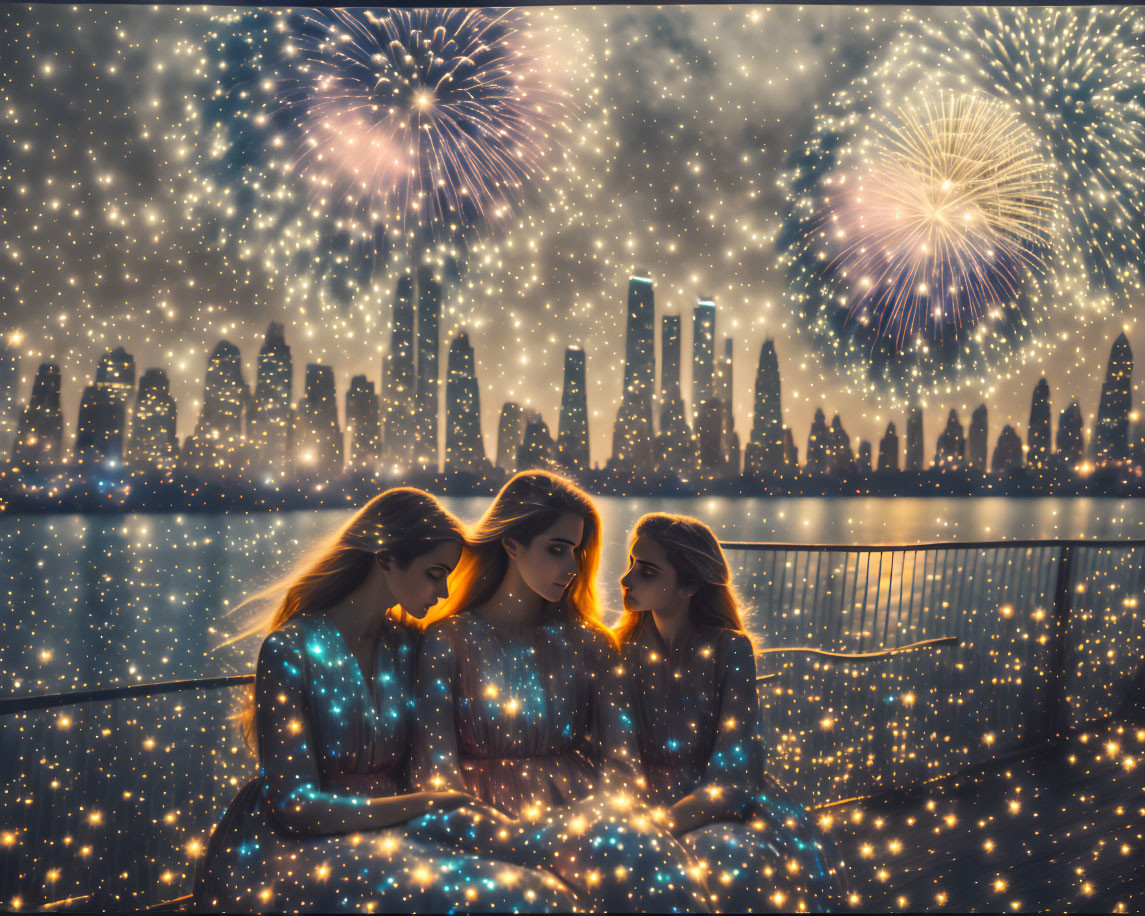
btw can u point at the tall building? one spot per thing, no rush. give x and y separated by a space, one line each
153 446
703 355
674 450
863 462
764 454
840 458
217 447
914 448
1038 435
818 442
950 453
1007 452
1111 431
399 383
712 439
464 447
1071 437
725 392
671 397
889 450
790 452
102 422
428 373
572 435
363 426
510 435
9 392
39 434
976 445
319 446
270 430
632 432
538 450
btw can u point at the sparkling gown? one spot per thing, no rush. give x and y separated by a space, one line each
328 738
537 726
696 711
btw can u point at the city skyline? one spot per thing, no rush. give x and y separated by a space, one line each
239 428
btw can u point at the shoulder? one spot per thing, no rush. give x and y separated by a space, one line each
735 651
444 634
595 640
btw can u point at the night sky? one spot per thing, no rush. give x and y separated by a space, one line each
144 204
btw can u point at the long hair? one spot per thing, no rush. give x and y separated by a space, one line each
402 523
530 503
699 562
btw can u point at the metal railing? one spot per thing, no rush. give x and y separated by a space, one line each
881 667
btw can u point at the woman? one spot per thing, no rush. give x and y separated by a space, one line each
333 708
696 709
523 706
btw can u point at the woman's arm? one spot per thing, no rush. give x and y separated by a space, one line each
286 752
614 732
731 775
435 764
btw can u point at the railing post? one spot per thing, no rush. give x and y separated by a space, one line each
1056 718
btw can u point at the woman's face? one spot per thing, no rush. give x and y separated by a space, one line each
548 562
422 584
651 583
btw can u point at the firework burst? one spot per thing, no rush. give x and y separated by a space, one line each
337 145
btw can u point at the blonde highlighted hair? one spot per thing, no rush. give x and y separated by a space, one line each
528 504
402 523
695 554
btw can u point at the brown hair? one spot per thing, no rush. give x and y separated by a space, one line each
531 502
699 561
402 523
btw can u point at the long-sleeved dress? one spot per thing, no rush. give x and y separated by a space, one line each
537 726
329 739
696 712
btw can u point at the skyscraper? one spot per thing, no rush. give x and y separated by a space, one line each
818 441
950 453
840 458
1007 452
319 446
538 450
914 448
1038 435
102 421
632 432
764 454
270 430
363 426
703 355
889 450
976 445
572 436
428 374
464 447
1111 431
725 393
398 383
674 450
217 447
1071 437
39 433
153 446
863 461
510 435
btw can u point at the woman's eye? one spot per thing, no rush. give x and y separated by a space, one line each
647 573
556 551
436 577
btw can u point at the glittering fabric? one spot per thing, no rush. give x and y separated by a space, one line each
328 738
538 726
695 707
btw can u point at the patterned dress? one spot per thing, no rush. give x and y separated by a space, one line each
329 738
537 726
697 719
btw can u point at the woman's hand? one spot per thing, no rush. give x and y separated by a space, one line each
447 800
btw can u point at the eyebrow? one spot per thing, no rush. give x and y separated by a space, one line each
646 563
561 541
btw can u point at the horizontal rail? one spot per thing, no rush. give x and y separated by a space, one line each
939 642
11 705
927 545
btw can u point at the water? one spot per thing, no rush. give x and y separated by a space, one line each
102 601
